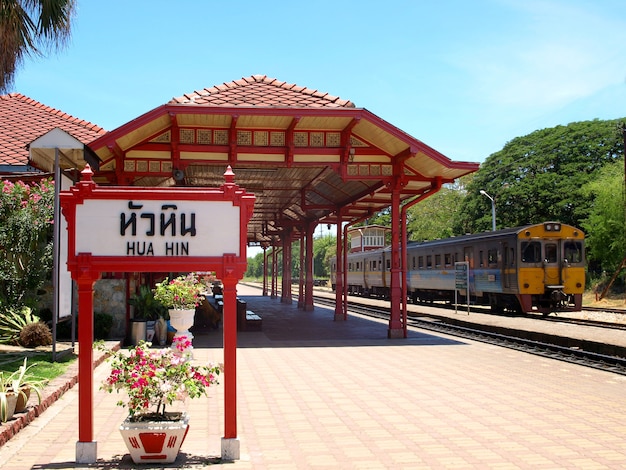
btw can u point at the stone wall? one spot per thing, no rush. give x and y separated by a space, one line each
110 297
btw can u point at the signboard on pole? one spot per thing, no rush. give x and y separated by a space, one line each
147 229
461 281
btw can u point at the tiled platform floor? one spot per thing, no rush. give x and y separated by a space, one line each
314 393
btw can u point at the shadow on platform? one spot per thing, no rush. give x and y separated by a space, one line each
285 325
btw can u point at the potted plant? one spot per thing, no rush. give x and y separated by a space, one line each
146 309
181 296
8 400
153 379
22 383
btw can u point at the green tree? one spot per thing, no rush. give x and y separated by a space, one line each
26 214
540 176
324 248
604 227
31 27
434 217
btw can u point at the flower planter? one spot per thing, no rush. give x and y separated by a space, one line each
8 400
22 399
182 320
154 441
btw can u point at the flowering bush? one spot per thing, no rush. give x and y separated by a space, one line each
183 292
156 378
26 216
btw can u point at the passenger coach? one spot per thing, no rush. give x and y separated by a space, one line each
535 268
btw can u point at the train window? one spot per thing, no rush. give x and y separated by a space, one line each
447 259
573 251
429 262
388 264
531 252
492 257
512 256
437 261
457 257
413 262
481 258
551 253
420 262
358 265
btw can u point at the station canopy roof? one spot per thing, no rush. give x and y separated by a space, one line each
306 155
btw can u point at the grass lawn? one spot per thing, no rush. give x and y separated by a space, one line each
43 367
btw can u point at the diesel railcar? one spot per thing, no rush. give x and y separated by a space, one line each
534 268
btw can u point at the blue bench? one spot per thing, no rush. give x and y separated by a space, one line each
253 321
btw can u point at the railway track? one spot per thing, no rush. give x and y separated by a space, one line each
617 322
542 347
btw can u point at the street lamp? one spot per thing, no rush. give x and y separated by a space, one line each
493 209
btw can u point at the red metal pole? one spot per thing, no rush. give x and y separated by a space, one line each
264 271
308 288
395 325
230 358
301 271
339 272
85 360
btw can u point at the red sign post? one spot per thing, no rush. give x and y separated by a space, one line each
139 229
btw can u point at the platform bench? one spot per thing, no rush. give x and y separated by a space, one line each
253 321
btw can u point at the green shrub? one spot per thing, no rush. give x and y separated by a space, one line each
35 334
12 322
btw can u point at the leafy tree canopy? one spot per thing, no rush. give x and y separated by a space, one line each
540 176
31 27
604 227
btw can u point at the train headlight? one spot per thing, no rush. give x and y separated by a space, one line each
552 227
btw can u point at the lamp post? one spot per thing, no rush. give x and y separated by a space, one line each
493 209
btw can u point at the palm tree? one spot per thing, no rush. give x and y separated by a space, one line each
31 27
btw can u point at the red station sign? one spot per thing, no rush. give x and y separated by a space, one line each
140 229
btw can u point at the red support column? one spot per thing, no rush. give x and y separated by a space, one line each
286 296
230 444
230 358
395 324
85 447
301 271
308 289
339 295
274 271
264 269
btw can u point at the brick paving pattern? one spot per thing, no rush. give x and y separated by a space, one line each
319 394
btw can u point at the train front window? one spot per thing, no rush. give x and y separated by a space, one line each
573 251
551 253
531 252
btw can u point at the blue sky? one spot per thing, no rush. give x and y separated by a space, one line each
463 76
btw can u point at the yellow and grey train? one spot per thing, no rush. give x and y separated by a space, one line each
534 268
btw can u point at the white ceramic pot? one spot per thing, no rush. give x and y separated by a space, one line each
182 320
154 441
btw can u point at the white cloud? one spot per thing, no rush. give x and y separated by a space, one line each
553 53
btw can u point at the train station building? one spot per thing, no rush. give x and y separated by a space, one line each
308 157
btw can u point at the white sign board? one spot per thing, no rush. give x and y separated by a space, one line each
65 296
157 228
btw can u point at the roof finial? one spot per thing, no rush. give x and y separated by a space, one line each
229 176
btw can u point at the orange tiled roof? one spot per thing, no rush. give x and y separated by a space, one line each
23 119
259 90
